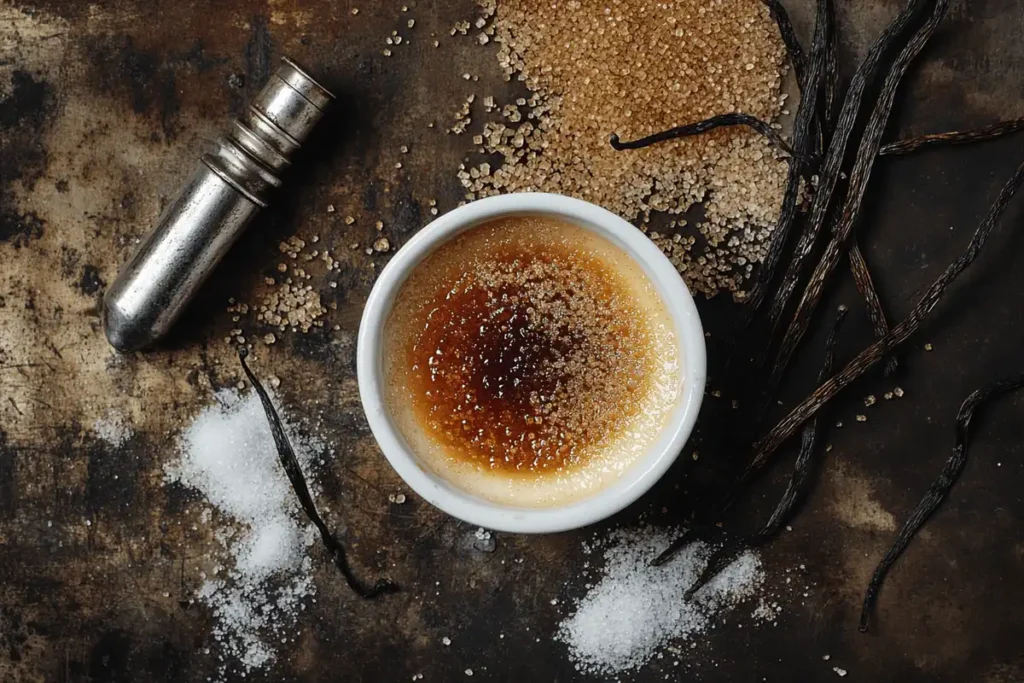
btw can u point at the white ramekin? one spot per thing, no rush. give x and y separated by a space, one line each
640 476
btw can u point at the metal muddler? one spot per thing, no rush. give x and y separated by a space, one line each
219 200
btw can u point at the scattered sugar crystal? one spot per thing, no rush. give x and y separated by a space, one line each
112 430
766 611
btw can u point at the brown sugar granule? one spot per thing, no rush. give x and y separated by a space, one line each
292 305
635 68
462 116
292 246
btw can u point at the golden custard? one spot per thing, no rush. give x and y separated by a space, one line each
530 361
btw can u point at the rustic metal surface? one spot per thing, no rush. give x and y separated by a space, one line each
103 108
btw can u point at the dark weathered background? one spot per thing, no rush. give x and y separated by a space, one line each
103 108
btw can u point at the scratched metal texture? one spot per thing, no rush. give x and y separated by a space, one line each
104 107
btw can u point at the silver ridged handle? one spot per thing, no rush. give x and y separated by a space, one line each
214 207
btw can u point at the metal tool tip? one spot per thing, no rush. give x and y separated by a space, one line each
122 332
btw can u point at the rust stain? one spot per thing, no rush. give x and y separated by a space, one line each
853 501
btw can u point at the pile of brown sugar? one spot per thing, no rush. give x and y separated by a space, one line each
634 68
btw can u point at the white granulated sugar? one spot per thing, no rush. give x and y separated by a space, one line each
228 455
113 430
766 611
635 609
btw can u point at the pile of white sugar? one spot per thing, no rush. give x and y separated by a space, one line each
227 454
636 610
